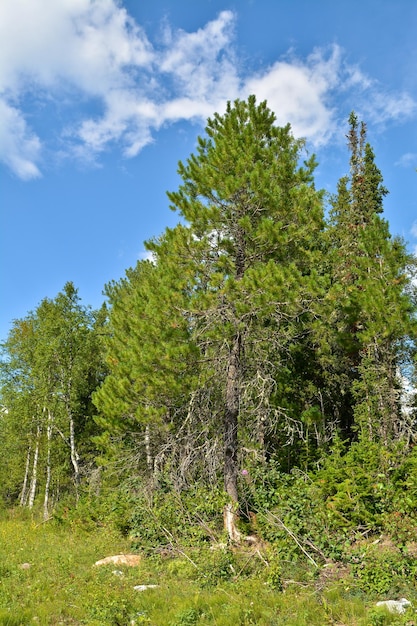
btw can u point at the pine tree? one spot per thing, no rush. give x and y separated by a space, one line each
151 365
230 290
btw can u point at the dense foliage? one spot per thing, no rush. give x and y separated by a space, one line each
52 365
260 364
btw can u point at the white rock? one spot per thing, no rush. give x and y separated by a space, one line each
144 587
130 560
395 606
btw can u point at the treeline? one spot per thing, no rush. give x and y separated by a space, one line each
273 331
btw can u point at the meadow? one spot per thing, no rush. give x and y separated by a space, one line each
47 577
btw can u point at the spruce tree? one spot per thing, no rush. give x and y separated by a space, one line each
370 307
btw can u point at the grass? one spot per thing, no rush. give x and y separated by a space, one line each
61 586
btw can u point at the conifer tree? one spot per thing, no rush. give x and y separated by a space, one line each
151 365
234 287
371 309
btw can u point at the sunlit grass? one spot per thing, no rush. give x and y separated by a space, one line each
61 586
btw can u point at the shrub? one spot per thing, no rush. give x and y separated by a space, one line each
380 572
190 518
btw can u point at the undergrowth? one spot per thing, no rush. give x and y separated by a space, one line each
47 577
326 546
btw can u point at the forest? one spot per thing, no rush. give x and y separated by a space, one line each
251 383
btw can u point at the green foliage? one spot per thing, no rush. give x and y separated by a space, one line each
363 489
96 596
188 518
290 513
54 554
356 484
274 576
358 490
381 617
52 363
372 328
117 611
200 334
17 619
382 572
218 566
257 359
400 526
111 508
187 617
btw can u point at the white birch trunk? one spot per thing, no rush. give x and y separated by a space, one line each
74 454
24 494
73 451
34 477
48 467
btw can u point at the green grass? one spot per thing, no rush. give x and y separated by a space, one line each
62 586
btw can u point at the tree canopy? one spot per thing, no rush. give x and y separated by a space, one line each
268 326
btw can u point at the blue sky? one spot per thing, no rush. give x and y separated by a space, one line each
100 99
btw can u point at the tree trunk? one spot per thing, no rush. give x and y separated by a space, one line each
34 477
231 414
23 493
48 467
73 449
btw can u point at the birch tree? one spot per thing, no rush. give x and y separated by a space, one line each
52 364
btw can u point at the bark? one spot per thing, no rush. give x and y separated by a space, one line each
71 422
230 517
231 414
48 468
24 493
34 477
73 449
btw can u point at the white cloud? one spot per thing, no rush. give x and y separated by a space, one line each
68 50
84 43
414 229
19 148
408 160
147 255
356 78
91 59
380 107
377 105
298 92
202 63
127 118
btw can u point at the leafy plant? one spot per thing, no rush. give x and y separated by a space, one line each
187 617
381 572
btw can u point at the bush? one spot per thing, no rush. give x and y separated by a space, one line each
192 518
290 513
382 572
217 566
